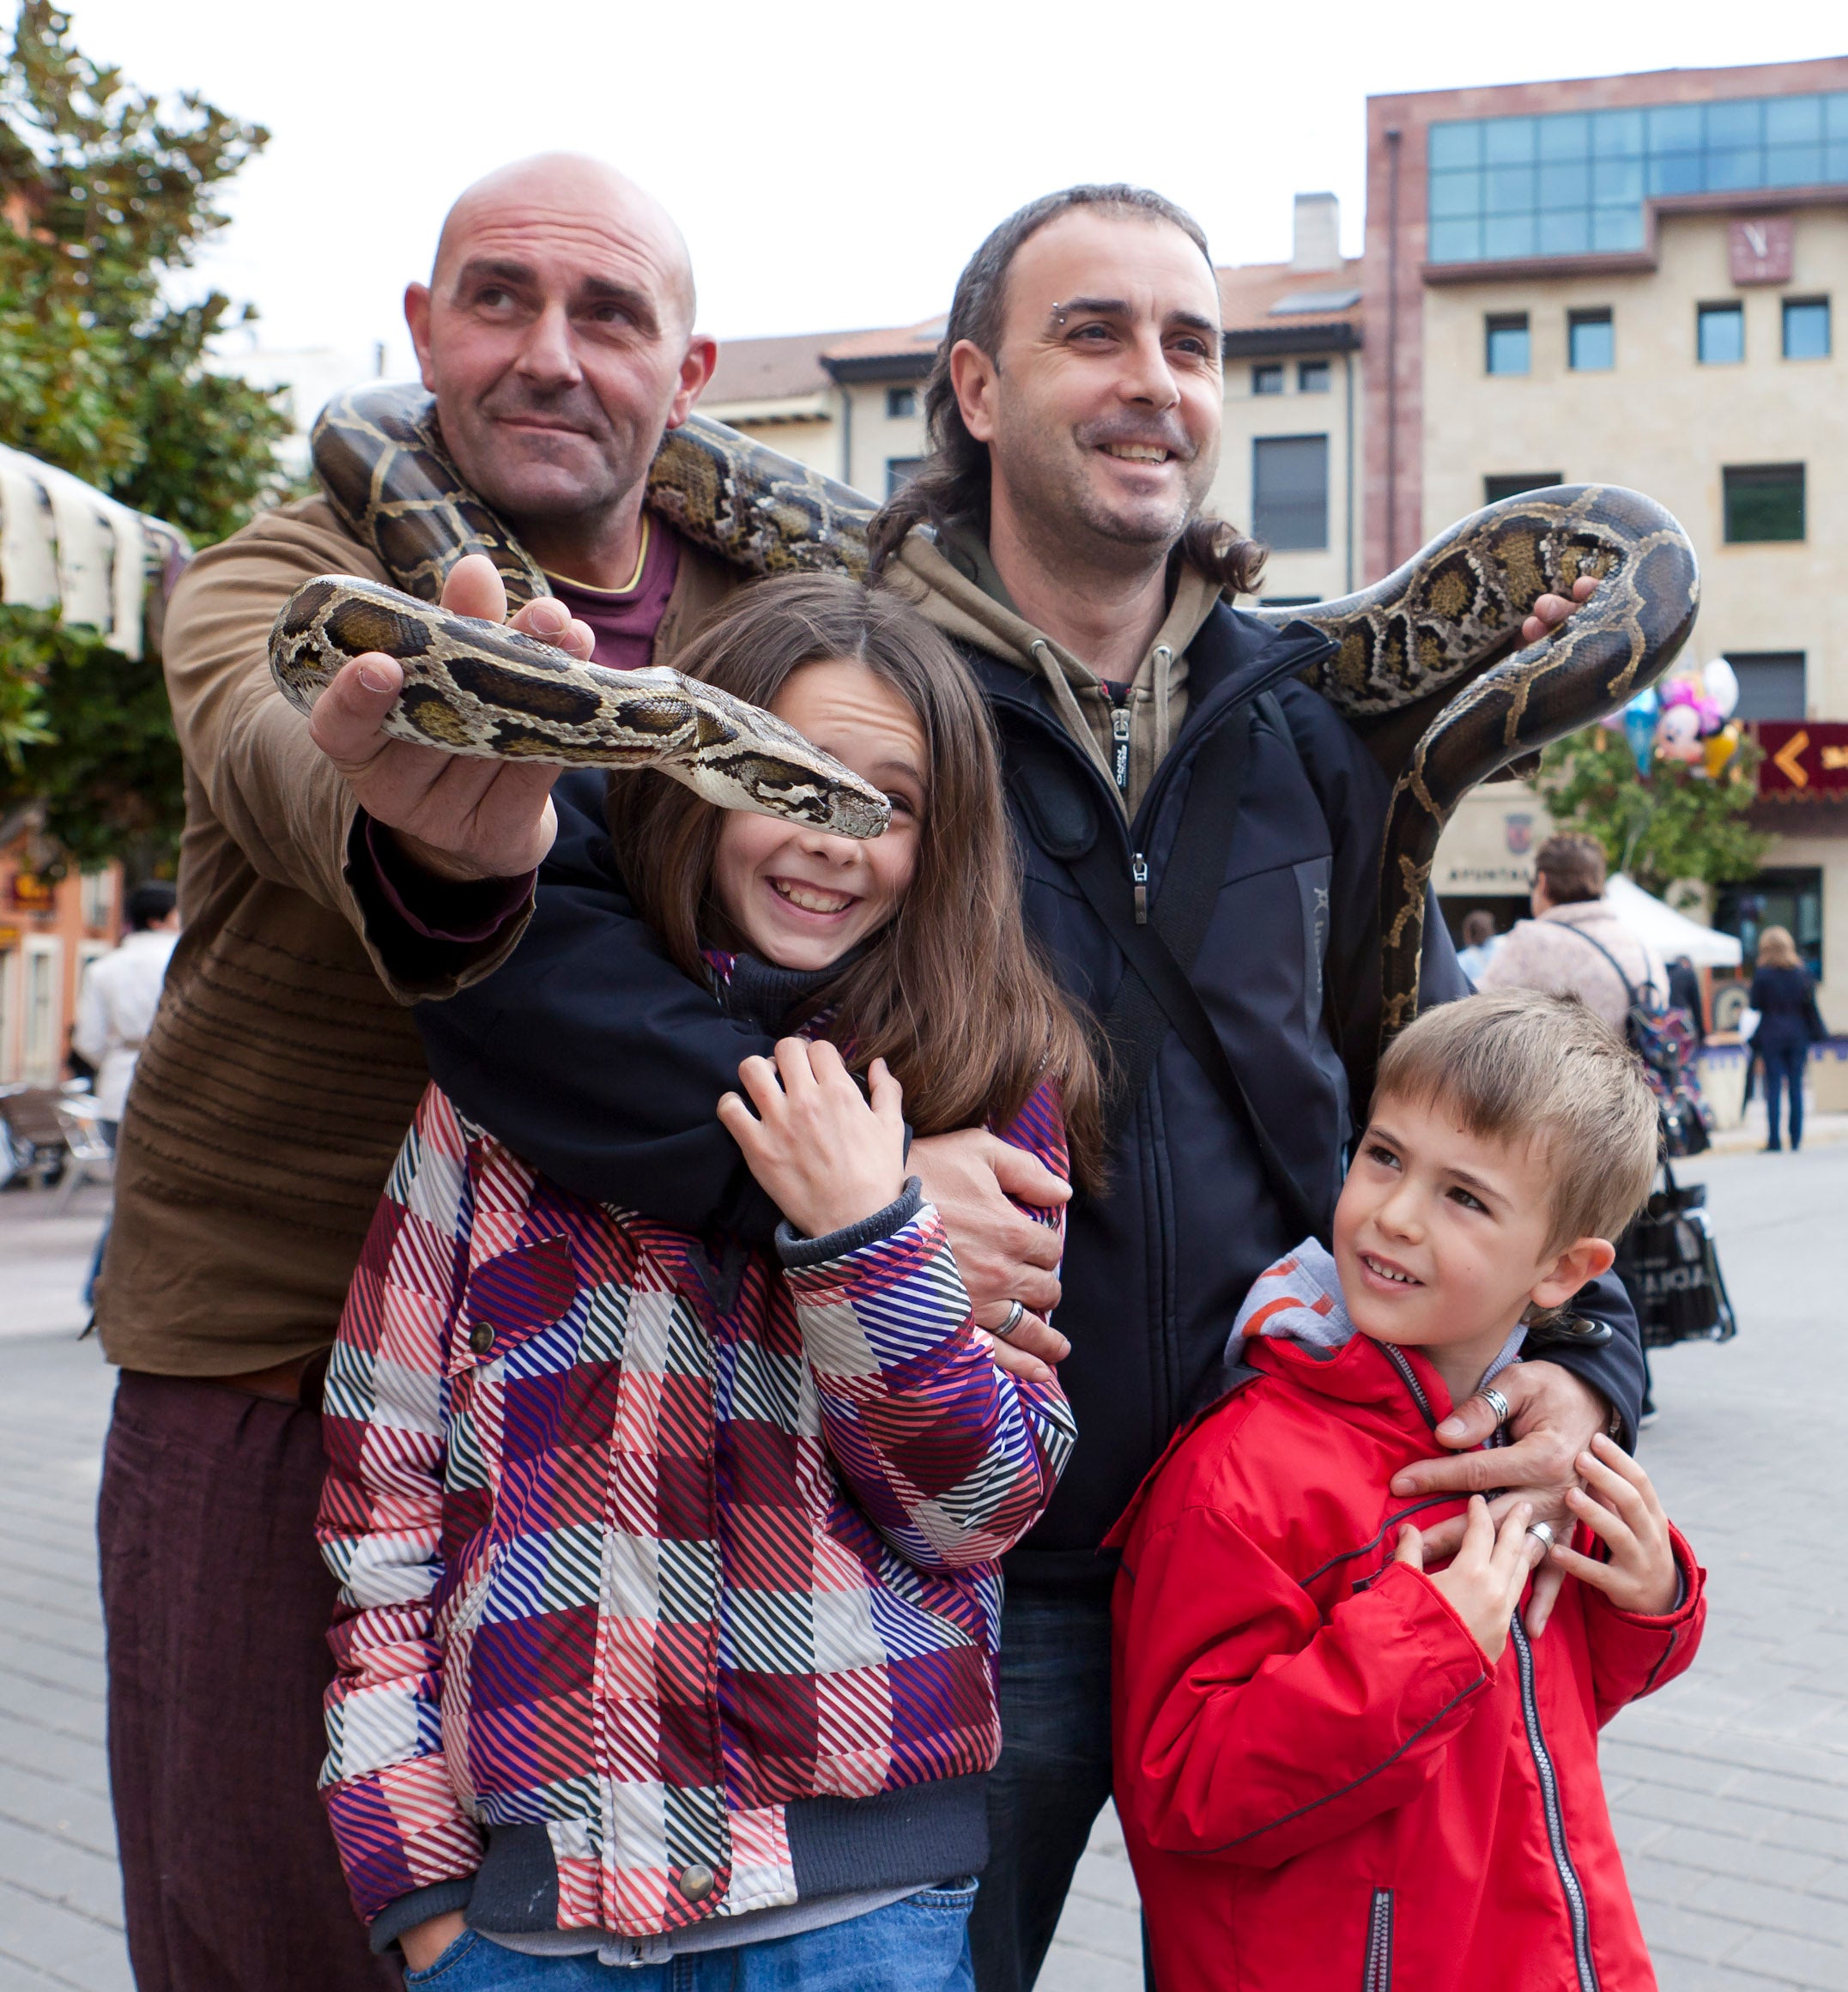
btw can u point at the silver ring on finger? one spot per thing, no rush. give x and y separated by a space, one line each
1496 1403
1016 1314
1542 1533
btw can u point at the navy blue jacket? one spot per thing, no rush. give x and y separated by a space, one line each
592 1056
1785 999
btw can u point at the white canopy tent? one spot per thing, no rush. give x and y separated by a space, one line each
65 545
1670 933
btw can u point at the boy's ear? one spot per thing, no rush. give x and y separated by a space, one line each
1583 1259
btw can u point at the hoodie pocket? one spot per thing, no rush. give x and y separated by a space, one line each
1378 1976
510 1300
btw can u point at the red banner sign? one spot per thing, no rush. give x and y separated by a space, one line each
1803 758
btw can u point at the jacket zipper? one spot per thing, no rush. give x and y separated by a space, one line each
1408 1377
1120 737
1549 1798
1379 1977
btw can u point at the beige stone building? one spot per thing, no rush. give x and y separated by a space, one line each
1637 280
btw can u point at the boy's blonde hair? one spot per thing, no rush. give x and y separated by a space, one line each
1517 1065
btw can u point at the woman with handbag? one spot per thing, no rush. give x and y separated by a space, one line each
1789 1024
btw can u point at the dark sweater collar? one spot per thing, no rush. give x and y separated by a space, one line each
759 992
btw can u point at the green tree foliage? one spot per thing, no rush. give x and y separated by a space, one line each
1677 825
106 193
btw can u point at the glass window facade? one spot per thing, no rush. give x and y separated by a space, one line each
1764 501
1720 334
1312 377
1789 896
1806 328
901 403
1574 183
1500 484
1267 380
1508 348
1289 491
1591 342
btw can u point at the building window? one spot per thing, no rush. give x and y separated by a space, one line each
45 963
1771 684
99 897
1509 347
901 404
1791 898
900 470
1721 340
1312 377
1574 183
1267 380
1764 501
1289 491
1591 342
1503 484
1806 328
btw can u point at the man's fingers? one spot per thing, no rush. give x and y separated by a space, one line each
1026 1177
1442 1540
1411 1547
1017 1362
346 716
1548 1581
473 587
1468 1473
1469 1425
1036 1336
547 619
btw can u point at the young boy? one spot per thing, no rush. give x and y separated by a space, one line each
1334 1767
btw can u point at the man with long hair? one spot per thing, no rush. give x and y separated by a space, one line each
1201 840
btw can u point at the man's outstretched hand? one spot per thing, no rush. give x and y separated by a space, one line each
1552 1419
1551 610
456 817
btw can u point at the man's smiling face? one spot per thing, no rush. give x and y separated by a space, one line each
1101 409
557 335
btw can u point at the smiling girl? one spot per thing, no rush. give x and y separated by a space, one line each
669 1574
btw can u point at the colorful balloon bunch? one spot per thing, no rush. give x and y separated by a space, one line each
1689 720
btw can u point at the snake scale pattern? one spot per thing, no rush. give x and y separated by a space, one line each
1437 642
476 689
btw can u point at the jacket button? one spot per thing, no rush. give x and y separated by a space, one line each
695 1882
481 1337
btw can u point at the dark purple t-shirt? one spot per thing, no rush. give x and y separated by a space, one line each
624 620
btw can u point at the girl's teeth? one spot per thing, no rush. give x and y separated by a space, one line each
812 902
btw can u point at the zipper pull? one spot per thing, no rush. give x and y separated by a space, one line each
1139 873
1119 734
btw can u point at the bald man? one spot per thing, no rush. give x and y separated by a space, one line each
557 333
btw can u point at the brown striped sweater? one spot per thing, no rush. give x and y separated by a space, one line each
283 1068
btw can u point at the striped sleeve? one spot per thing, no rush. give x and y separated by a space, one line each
952 1458
395 1814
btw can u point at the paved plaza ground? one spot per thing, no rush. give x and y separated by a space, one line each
1730 1787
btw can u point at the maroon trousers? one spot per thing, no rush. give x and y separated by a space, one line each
217 1604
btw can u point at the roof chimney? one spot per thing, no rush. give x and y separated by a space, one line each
1318 237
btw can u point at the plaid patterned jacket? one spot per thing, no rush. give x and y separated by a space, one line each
641 1547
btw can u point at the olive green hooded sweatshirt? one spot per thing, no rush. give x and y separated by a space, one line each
1126 729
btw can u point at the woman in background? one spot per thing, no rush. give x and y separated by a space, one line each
1786 999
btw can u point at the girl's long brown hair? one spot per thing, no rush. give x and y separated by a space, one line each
950 994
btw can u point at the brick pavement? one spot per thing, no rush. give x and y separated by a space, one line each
1730 1789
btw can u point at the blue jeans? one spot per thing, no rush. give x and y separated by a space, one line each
1053 1778
1784 1066
919 1944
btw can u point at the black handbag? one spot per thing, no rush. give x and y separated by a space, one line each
1669 1267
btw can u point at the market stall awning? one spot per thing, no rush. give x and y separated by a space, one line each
67 546
1670 933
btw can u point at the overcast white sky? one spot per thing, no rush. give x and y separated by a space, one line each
833 166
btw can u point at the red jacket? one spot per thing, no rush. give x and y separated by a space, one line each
1322 1781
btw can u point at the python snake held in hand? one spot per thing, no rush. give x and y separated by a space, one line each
478 688
1448 621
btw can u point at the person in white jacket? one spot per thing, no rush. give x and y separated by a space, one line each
121 992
